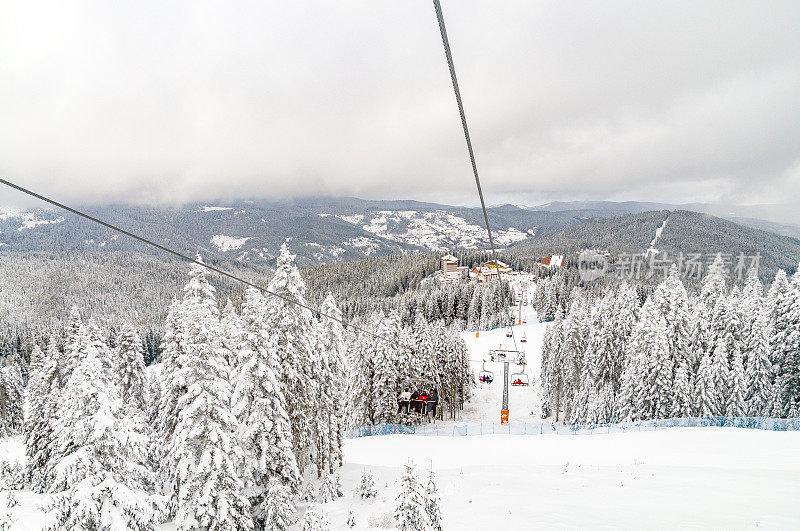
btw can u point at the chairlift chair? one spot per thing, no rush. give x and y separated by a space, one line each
485 376
508 332
520 378
524 338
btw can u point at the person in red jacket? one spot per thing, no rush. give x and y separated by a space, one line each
424 397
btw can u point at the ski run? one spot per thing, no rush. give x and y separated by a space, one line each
243 421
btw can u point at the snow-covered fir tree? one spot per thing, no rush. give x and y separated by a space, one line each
409 513
43 395
786 348
278 507
366 487
331 393
130 371
759 376
264 430
298 351
314 521
11 396
203 450
432 509
100 479
390 353
705 392
735 406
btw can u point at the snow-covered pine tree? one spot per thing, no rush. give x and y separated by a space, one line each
173 386
409 513
278 507
11 396
575 338
752 303
298 351
759 375
204 450
232 331
672 300
100 480
327 489
601 352
70 356
388 378
659 399
264 430
545 375
735 406
713 283
786 347
682 405
487 305
131 367
720 370
366 488
7 518
332 383
705 392
351 519
432 509
314 521
474 312
43 395
626 315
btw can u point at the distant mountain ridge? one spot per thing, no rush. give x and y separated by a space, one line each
780 219
684 232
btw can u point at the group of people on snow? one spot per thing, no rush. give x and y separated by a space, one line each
421 403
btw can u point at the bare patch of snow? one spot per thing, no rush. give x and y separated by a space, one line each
30 221
228 243
659 230
214 209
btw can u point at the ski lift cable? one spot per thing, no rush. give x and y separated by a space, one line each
195 261
449 56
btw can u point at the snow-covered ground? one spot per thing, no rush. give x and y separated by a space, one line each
228 243
719 478
436 230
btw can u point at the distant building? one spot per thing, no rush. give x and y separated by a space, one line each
489 270
451 272
554 260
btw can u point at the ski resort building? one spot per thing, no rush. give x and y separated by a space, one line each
451 271
554 260
490 270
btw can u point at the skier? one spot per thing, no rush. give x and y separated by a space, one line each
434 399
415 402
403 402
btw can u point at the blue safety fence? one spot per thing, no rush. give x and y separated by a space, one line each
548 428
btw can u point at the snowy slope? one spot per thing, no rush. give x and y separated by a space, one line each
720 478
436 230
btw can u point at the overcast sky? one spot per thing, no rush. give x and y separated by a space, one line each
154 101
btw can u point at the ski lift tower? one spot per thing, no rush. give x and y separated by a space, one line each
504 410
506 357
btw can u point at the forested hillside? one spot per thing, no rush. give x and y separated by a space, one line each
684 232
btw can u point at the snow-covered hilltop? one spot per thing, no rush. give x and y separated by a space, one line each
436 230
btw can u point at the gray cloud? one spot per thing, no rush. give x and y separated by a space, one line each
175 101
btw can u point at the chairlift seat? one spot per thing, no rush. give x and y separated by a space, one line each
519 379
